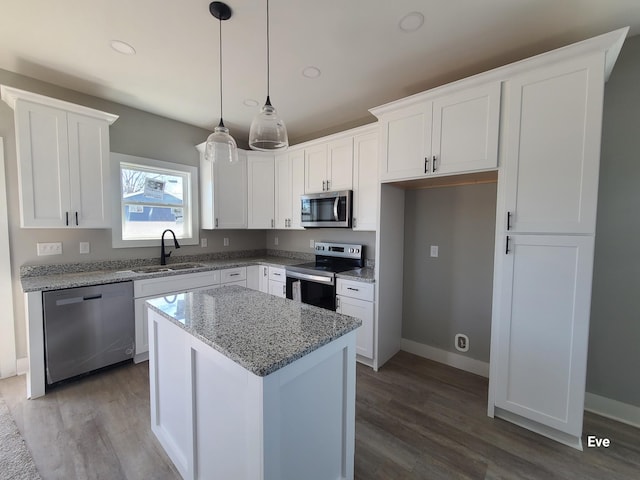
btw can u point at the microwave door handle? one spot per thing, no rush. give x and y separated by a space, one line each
335 209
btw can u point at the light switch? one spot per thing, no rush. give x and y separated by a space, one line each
434 250
225 242
275 240
85 247
312 243
203 242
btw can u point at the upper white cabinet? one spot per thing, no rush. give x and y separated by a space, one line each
329 166
63 162
289 185
441 134
552 147
261 190
365 181
223 192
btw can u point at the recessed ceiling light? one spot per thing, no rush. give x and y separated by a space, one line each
311 72
122 47
411 22
250 102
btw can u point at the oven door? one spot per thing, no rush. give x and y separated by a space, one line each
314 289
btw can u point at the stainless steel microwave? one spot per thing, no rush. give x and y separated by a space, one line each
326 209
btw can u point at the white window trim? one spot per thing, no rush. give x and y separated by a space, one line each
192 192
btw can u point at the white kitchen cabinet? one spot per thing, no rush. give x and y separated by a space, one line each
289 187
261 190
223 193
441 134
542 334
356 299
553 148
63 162
277 282
154 287
234 276
329 166
365 181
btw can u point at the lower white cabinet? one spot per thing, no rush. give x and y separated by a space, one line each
154 287
539 351
356 299
234 276
277 282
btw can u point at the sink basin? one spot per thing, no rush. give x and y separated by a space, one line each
166 268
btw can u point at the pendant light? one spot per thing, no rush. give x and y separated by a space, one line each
221 147
268 132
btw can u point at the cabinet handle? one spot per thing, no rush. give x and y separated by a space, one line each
265 272
77 219
354 222
323 185
328 187
277 274
216 222
434 163
288 222
66 221
272 223
284 289
354 289
506 250
426 164
234 274
337 302
508 220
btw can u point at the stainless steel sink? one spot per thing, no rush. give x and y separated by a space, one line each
166 268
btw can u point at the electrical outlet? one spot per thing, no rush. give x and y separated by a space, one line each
85 247
312 243
54 248
275 240
462 342
203 242
225 242
434 250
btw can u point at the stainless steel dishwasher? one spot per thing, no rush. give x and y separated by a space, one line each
87 328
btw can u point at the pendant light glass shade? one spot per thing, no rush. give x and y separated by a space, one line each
221 146
268 131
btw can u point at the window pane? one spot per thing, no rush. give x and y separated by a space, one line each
141 186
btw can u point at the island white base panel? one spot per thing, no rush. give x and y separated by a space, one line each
216 419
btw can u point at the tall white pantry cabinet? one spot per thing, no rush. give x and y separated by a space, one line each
547 134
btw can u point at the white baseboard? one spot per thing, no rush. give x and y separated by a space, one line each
613 409
22 365
448 358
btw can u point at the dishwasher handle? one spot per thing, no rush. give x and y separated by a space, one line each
69 301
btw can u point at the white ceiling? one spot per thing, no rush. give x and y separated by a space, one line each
365 58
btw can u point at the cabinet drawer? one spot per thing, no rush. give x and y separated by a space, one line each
277 274
355 289
174 283
229 275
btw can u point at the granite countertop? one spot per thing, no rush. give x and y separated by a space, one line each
260 332
57 277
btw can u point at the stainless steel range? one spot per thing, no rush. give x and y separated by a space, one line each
315 283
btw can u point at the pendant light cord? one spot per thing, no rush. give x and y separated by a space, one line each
268 59
220 60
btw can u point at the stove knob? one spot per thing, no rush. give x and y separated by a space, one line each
357 250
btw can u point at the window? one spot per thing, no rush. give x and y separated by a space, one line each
150 197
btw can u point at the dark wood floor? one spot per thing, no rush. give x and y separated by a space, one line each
415 419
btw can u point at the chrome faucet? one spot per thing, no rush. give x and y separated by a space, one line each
163 254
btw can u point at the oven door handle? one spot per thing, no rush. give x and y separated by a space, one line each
335 209
311 278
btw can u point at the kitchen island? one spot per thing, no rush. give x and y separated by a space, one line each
246 385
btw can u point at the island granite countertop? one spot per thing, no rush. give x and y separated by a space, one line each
260 332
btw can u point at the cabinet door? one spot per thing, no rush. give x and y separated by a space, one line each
230 193
261 191
277 288
465 130
365 182
364 311
43 164
315 168
553 147
296 166
406 143
283 191
263 282
340 165
89 171
541 345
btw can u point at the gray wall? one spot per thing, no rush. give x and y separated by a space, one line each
614 337
135 133
451 293
298 241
